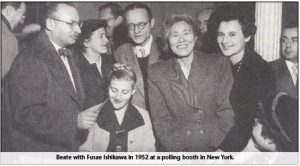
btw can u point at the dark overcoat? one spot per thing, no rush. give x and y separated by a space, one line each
253 83
44 103
284 81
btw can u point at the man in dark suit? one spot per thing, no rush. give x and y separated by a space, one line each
286 67
142 50
45 89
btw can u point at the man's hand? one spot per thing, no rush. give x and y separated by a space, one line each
87 118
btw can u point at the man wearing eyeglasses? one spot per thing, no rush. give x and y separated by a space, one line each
12 14
142 50
45 88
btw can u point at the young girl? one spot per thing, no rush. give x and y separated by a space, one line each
121 126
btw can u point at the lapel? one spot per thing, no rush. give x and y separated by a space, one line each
285 79
132 61
186 89
107 119
154 53
58 69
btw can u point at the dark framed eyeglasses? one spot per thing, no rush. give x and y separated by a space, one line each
140 25
71 24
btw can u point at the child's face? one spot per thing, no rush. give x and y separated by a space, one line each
261 143
120 93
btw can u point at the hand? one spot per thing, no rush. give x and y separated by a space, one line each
87 118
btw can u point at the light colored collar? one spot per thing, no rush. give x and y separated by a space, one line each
290 65
93 59
146 47
55 46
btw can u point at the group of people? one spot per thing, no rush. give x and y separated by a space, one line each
109 84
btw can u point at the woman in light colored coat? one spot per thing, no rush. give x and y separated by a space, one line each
121 126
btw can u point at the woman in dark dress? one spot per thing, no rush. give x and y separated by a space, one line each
253 77
93 61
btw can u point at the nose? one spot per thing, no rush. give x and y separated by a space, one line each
105 39
118 96
77 28
136 29
180 39
288 43
225 39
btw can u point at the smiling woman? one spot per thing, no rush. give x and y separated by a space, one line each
189 93
93 60
253 77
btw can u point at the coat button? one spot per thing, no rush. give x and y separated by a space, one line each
188 132
131 142
201 132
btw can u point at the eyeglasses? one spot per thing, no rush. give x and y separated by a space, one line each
140 26
71 24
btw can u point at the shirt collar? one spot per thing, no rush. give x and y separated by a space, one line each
290 65
55 46
146 47
92 60
6 22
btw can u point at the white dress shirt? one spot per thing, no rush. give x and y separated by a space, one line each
146 48
291 67
66 63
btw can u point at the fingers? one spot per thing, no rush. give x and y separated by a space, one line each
87 118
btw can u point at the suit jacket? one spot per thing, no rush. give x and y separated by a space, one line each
43 101
193 114
140 139
94 84
253 83
284 79
125 54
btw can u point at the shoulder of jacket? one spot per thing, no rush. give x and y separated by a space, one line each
123 47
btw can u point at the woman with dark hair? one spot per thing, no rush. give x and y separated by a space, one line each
93 61
189 92
121 126
253 77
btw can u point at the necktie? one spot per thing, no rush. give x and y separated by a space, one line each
295 73
143 52
64 52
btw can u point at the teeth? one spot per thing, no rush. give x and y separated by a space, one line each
182 46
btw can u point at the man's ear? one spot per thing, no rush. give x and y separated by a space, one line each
152 22
134 89
86 43
49 24
118 21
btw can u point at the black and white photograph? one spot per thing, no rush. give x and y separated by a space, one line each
145 82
